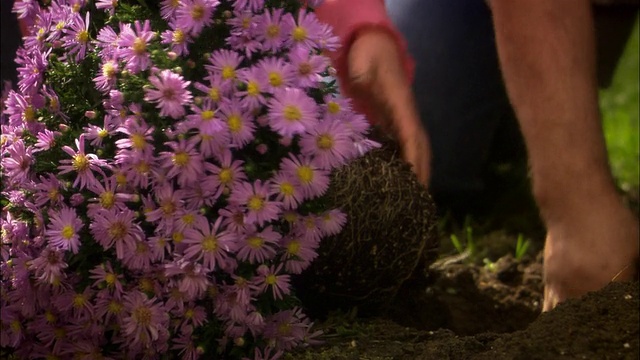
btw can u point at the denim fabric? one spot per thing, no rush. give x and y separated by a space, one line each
458 85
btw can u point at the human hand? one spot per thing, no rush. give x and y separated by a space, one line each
377 81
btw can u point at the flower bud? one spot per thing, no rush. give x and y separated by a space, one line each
90 114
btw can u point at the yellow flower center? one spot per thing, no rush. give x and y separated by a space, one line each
292 113
102 133
178 36
142 168
214 94
139 46
29 114
141 247
80 163
197 13
273 31
209 243
324 142
287 188
256 203
188 219
255 242
293 247
138 142
333 107
299 33
117 231
253 89
305 174
181 158
108 70
50 317
228 72
142 316
110 279
82 36
207 115
115 307
145 285
107 199
53 194
304 68
271 279
225 176
235 123
67 232
79 301
177 237
189 313
275 79
15 326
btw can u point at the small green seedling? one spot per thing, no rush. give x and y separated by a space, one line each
469 247
522 246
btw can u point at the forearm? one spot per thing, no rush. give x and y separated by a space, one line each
348 18
547 54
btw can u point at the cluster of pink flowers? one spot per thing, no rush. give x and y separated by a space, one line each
163 208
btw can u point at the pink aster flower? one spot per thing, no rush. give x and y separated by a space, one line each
104 274
313 180
292 112
169 92
178 39
140 135
168 9
239 122
194 15
329 143
270 277
133 46
192 277
145 319
82 163
76 38
254 197
183 162
48 190
207 243
258 246
140 258
279 73
116 227
108 6
308 66
256 84
106 81
332 221
271 31
46 140
224 63
300 251
63 229
214 90
49 266
31 68
16 162
107 42
170 202
286 189
305 31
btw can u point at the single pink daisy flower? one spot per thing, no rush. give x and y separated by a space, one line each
77 38
332 222
104 275
108 77
279 73
82 163
300 251
62 232
292 112
258 246
192 281
224 63
169 93
270 277
116 227
194 15
271 31
287 190
145 320
49 266
183 162
254 197
133 46
308 66
305 31
208 243
329 144
178 39
313 180
239 122
252 97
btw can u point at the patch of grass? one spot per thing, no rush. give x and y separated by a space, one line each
620 114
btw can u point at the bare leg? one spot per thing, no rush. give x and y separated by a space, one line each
547 54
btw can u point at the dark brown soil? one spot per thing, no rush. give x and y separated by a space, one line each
466 311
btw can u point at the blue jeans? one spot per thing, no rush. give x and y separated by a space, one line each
458 87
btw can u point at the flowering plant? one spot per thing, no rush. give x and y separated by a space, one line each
163 172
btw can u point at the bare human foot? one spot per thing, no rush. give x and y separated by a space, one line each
588 249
